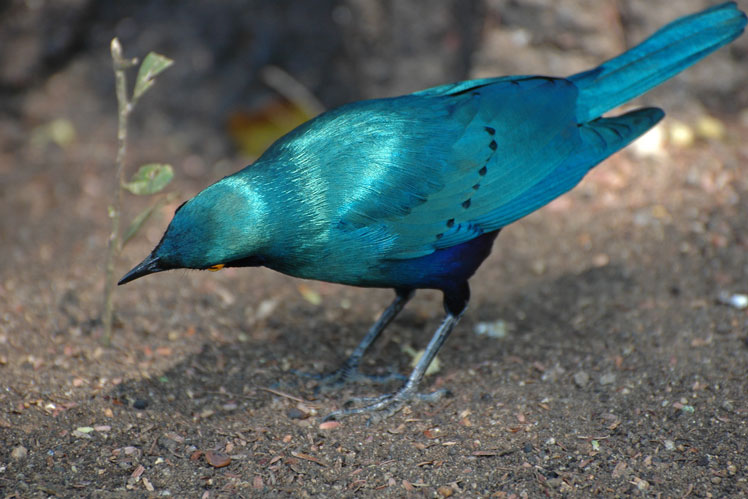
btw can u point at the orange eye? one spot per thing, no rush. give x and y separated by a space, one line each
216 268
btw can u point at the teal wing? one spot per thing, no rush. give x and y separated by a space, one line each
519 147
515 133
467 149
408 176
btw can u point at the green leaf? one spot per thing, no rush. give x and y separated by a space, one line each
153 64
150 179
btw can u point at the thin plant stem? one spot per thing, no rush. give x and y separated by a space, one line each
124 106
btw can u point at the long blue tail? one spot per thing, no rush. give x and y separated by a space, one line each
669 51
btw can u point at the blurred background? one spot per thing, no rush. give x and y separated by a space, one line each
55 63
216 108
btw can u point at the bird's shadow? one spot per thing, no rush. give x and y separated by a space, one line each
544 321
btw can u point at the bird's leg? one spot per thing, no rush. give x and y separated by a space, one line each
387 405
348 371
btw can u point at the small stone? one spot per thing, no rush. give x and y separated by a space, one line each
140 404
681 134
444 491
734 300
600 260
496 329
581 379
641 484
295 413
555 482
669 445
19 453
538 266
607 379
651 144
709 127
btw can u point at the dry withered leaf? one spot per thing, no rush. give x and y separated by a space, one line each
329 425
148 485
138 471
431 433
398 430
217 459
307 457
619 469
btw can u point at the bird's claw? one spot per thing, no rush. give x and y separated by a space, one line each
348 373
384 406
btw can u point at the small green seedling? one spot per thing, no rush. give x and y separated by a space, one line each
148 180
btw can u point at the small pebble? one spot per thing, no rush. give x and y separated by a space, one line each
710 128
445 491
681 134
140 404
496 329
581 379
294 413
650 144
641 484
669 445
607 379
19 452
734 300
555 482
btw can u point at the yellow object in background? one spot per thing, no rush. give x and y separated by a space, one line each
253 131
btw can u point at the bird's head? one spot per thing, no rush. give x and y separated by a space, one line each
221 226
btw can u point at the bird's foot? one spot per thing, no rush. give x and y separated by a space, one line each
385 406
348 373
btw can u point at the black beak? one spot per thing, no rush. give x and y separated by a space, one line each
150 265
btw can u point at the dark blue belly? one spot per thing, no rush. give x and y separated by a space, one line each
442 269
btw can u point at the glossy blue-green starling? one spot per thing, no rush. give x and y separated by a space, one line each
410 192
